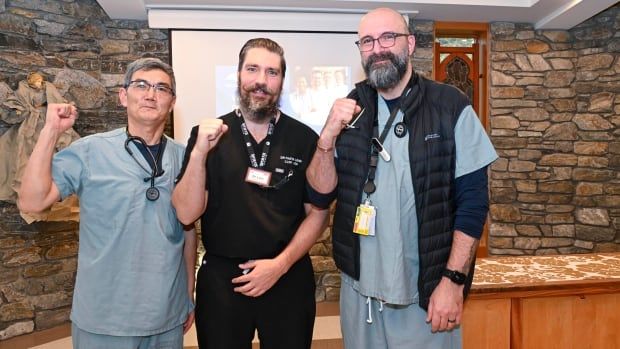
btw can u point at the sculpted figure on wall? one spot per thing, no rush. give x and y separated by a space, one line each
25 109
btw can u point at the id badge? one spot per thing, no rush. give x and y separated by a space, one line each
256 176
365 219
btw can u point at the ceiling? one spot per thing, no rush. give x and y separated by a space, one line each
543 14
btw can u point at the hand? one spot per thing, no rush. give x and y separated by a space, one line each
446 303
340 115
188 322
60 117
264 273
209 133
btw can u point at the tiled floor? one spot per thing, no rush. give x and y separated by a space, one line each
326 334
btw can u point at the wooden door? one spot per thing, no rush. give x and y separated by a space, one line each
456 67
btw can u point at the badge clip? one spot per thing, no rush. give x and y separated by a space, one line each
382 152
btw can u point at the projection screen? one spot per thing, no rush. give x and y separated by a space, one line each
320 67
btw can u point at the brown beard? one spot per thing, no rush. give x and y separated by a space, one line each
258 110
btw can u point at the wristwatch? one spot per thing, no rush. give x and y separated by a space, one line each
455 276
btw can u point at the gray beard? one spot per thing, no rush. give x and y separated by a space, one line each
388 75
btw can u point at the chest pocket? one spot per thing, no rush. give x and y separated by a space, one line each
288 181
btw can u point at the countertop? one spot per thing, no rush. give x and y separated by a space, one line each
496 274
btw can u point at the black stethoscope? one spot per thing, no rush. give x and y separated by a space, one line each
152 193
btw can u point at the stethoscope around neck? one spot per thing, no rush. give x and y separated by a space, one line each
152 193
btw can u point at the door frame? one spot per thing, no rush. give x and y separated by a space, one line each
481 32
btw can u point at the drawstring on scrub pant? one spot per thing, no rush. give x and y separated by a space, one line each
369 302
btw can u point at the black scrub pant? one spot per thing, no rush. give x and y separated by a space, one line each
283 316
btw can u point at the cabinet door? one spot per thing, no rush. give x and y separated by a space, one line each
588 321
486 324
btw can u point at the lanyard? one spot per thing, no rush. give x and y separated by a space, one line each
248 142
377 144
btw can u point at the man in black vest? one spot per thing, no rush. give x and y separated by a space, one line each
407 158
244 175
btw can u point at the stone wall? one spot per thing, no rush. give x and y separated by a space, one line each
554 121
326 274
84 53
424 32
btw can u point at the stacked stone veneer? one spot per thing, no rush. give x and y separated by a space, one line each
424 45
554 121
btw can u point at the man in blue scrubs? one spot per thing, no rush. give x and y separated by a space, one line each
135 277
408 158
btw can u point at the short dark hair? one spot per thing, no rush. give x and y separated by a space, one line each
147 64
267 44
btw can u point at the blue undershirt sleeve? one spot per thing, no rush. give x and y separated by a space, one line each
472 202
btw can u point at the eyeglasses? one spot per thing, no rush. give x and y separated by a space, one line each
367 43
144 87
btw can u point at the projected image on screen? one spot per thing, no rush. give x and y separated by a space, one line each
307 95
226 97
314 91
320 68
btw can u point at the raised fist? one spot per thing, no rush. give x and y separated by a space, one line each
60 117
209 133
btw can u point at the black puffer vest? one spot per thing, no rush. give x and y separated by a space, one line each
431 112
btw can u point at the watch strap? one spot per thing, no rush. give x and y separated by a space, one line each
455 276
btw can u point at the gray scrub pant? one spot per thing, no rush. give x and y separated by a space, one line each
172 339
392 326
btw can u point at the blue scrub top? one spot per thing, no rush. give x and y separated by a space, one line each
131 276
389 261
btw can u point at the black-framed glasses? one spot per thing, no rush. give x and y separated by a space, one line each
367 43
143 86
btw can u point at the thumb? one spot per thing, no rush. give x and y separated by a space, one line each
223 130
248 265
428 314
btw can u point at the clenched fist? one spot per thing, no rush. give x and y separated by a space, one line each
60 117
209 133
340 115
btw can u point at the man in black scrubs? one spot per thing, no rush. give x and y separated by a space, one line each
244 174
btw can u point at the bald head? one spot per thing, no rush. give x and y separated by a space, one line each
385 48
382 20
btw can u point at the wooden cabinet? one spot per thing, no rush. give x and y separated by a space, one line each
486 324
585 321
577 313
